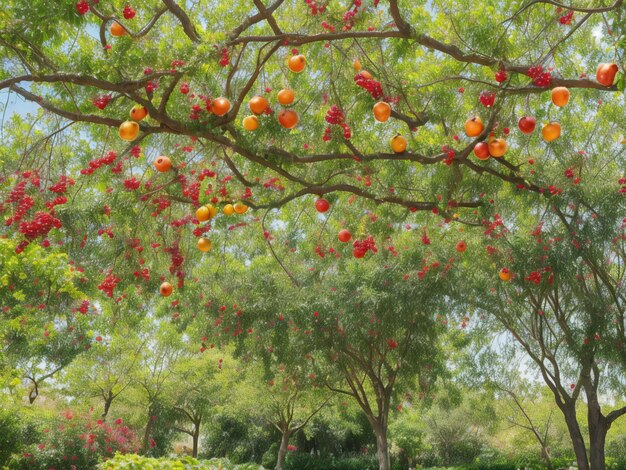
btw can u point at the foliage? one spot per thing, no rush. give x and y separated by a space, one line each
131 461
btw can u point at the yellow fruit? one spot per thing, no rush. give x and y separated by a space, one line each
229 209
212 210
240 208
203 214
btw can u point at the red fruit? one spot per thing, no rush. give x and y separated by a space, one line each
606 74
184 88
322 205
344 236
481 150
461 246
501 76
82 7
358 253
129 12
527 124
487 98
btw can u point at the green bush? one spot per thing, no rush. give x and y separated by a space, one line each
137 462
302 461
17 432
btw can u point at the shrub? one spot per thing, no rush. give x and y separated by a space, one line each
302 461
137 462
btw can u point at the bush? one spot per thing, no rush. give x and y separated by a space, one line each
78 441
302 461
137 462
16 433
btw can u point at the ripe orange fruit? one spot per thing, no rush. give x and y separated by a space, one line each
212 210
286 97
163 164
365 74
356 65
288 118
220 106
461 246
204 244
203 214
474 126
129 130
240 208
166 289
398 143
258 105
117 30
297 63
505 274
229 209
138 112
551 131
497 147
560 96
382 111
250 123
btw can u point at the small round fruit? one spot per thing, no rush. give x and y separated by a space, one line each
398 143
344 236
163 164
356 65
228 209
322 205
527 124
203 214
461 246
117 30
204 244
497 147
220 106
212 210
605 74
258 105
250 123
288 118
138 112
366 75
297 63
481 150
240 208
505 274
286 96
382 111
474 126
560 96
166 289
551 131
358 253
129 130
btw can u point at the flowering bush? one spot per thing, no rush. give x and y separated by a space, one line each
76 442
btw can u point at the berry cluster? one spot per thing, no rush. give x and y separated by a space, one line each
58 201
82 7
314 7
335 116
225 59
501 76
184 88
108 159
567 18
422 273
162 204
199 231
102 101
151 86
328 27
361 247
272 183
40 225
131 184
108 284
107 230
25 204
129 12
622 182
60 186
487 98
540 78
84 307
177 262
372 86
449 155
144 273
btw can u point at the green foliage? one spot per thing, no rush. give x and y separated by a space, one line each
137 462
303 461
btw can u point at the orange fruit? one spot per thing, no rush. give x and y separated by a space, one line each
474 126
203 214
163 164
382 111
560 96
129 130
288 118
297 63
117 30
220 106
138 112
286 96
250 123
365 74
356 65
505 274
258 105
240 208
398 143
551 131
204 244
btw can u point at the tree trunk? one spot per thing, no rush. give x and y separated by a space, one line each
195 436
146 434
598 427
107 406
282 452
382 447
578 443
